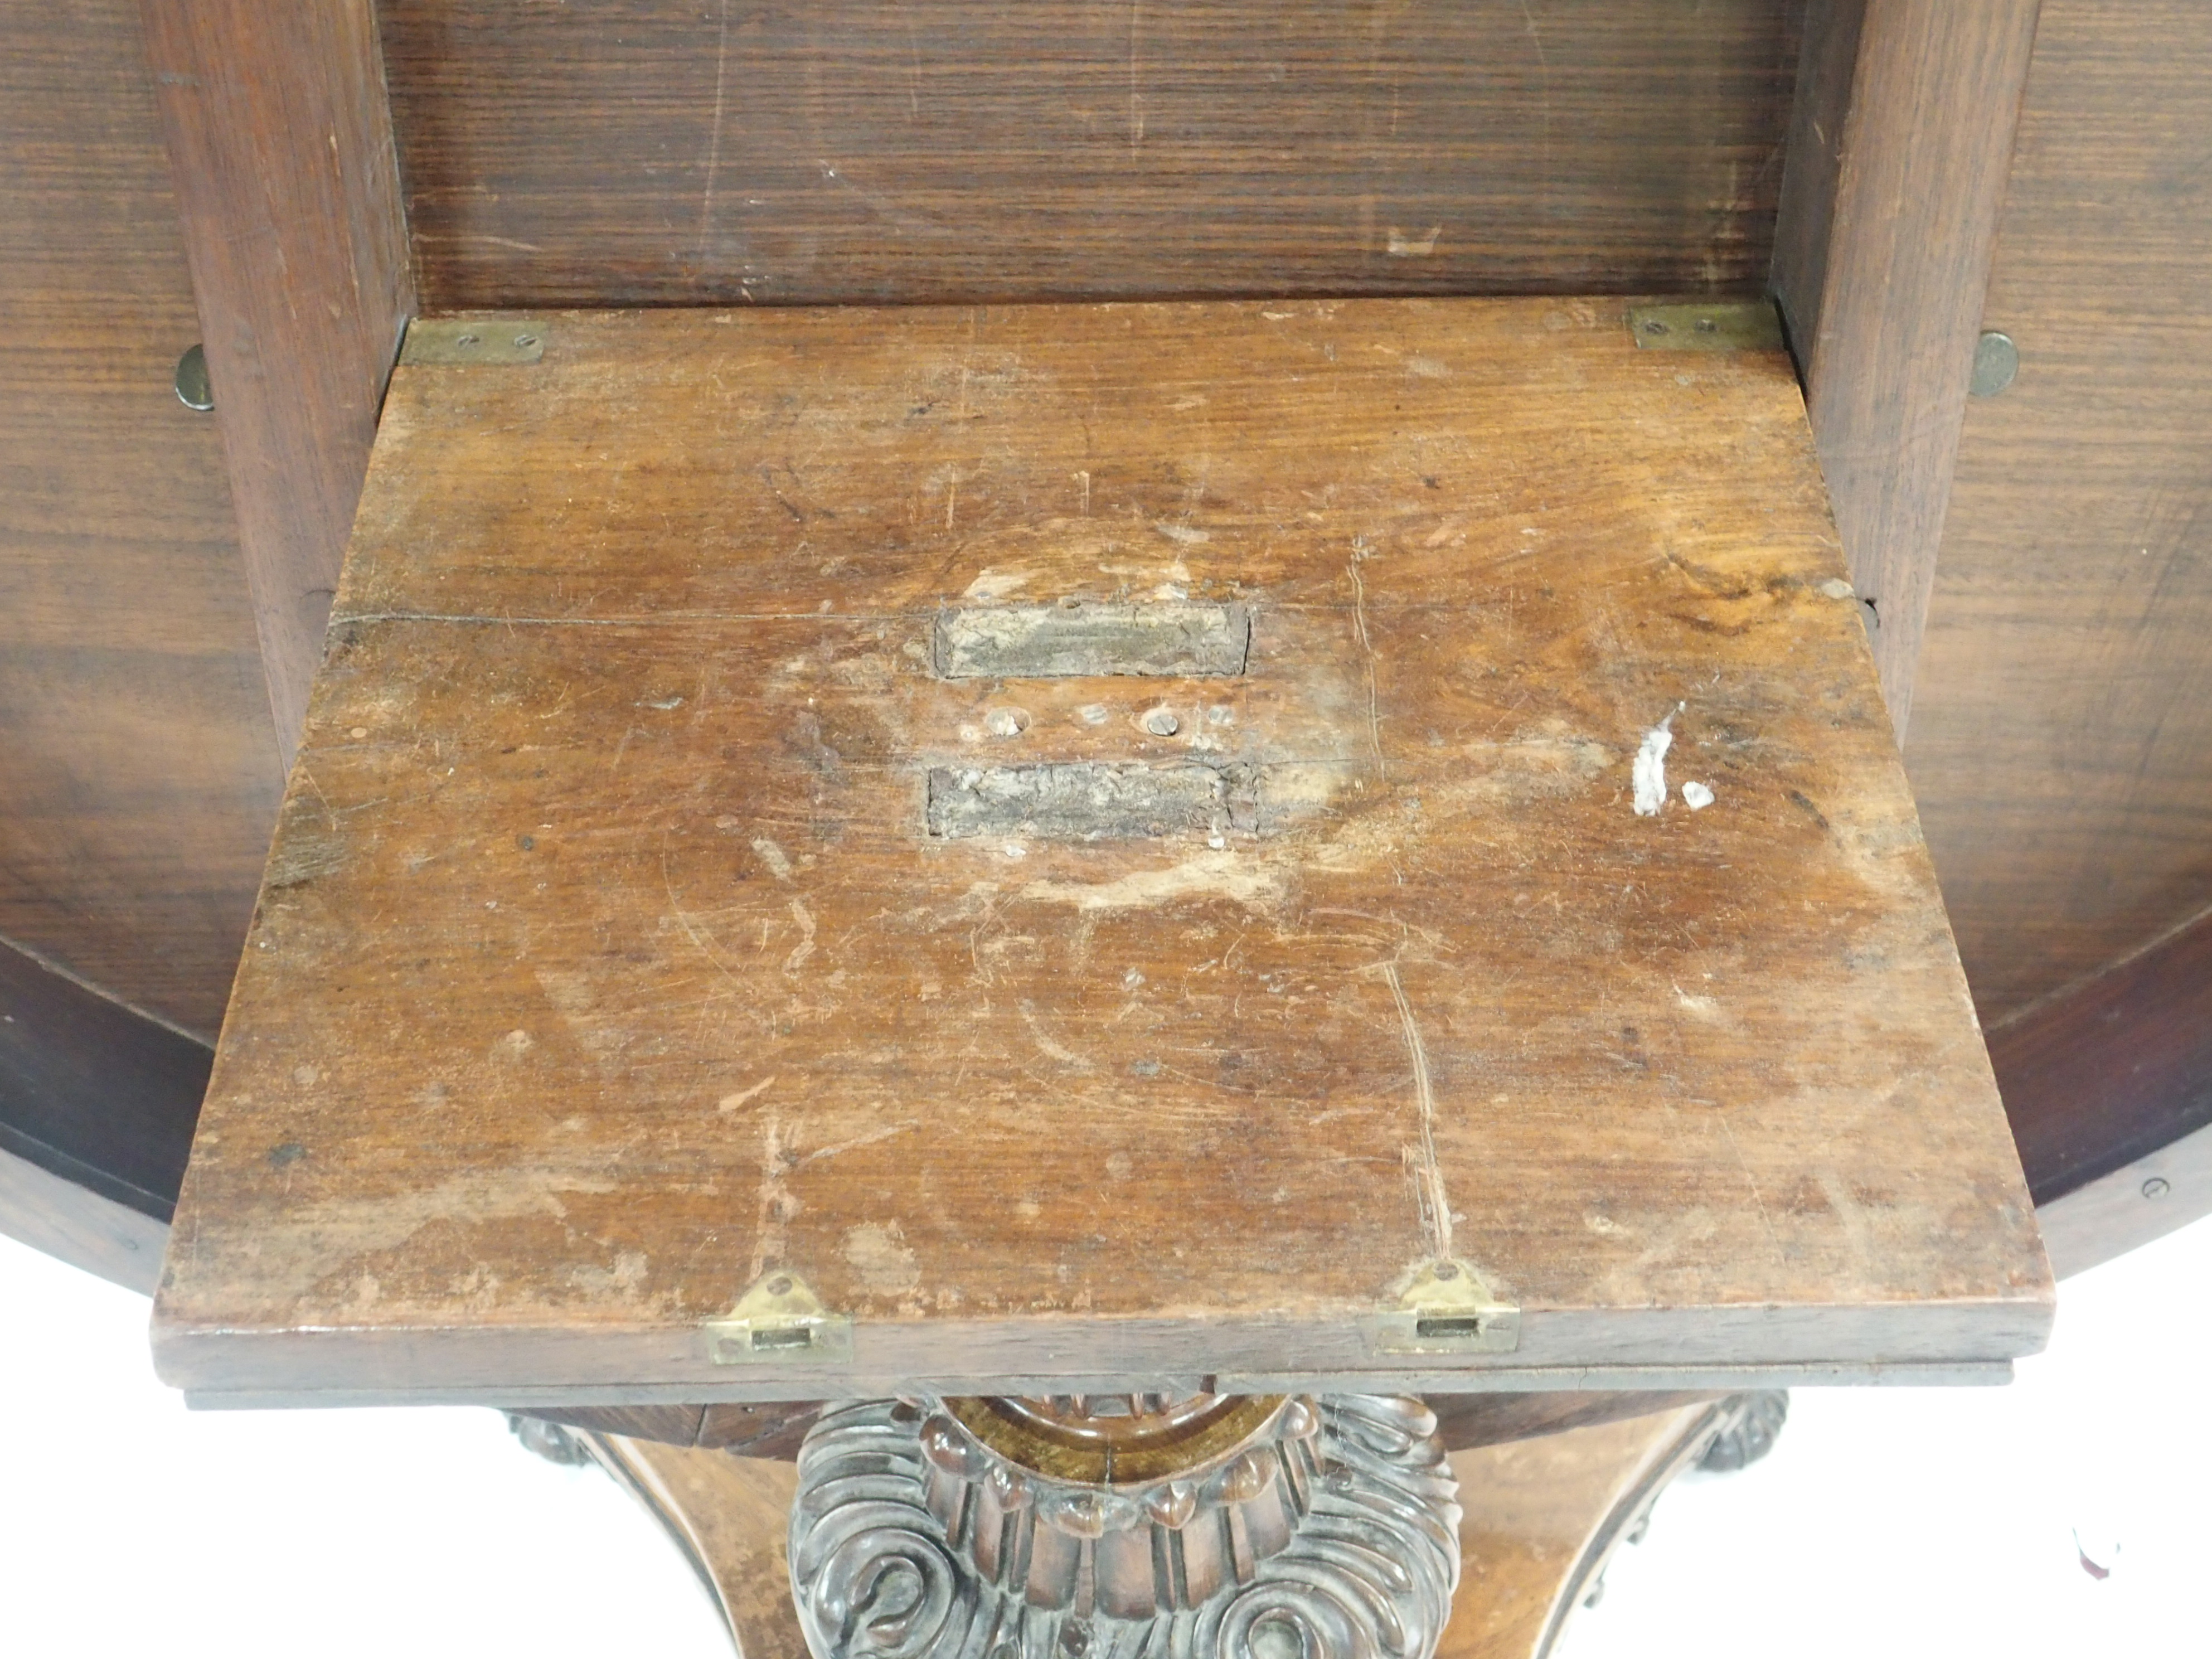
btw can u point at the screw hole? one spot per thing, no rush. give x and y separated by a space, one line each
465 339
1707 325
1162 722
524 342
779 1286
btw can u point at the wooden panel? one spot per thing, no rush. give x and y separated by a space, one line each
2113 1068
2134 1206
76 1224
1898 150
604 964
279 131
2063 749
644 152
1540 1519
92 1091
136 768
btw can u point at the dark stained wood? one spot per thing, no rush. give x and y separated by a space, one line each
2129 1207
139 777
603 965
653 153
2062 742
1899 147
76 1224
280 138
741 1430
2099 1075
1540 1518
1465 1421
92 1091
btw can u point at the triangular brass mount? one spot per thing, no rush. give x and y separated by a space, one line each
1448 1307
777 1320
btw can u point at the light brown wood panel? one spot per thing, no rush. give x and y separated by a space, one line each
645 152
137 769
1899 146
280 135
604 966
2062 742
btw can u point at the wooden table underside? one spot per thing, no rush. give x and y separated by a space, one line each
607 965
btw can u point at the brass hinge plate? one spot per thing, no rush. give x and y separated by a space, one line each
777 1320
472 341
1447 1308
1728 326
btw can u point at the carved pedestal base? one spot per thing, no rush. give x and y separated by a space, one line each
1547 1505
1144 1528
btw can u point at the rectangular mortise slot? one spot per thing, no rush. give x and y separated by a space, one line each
1449 1328
783 1338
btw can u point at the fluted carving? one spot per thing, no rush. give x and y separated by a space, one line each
1280 1529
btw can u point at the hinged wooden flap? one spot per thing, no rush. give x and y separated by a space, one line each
1107 844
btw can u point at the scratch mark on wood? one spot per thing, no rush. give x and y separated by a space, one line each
1543 69
805 948
1367 656
1136 101
731 1102
771 1230
1751 1180
714 137
835 1147
1428 1168
696 933
1046 1043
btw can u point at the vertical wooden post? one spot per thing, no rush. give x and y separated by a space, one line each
1899 148
280 139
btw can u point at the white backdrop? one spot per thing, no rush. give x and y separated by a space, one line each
1890 1523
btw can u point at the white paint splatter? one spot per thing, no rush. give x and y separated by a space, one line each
773 856
1697 796
1650 772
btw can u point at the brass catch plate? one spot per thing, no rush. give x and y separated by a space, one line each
1448 1307
1734 326
779 1320
464 342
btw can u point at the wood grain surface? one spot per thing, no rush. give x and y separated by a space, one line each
138 778
2062 743
1539 1518
643 152
2111 1070
1898 150
74 1224
604 966
92 1091
280 133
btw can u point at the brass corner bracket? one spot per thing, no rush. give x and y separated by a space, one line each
779 1319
